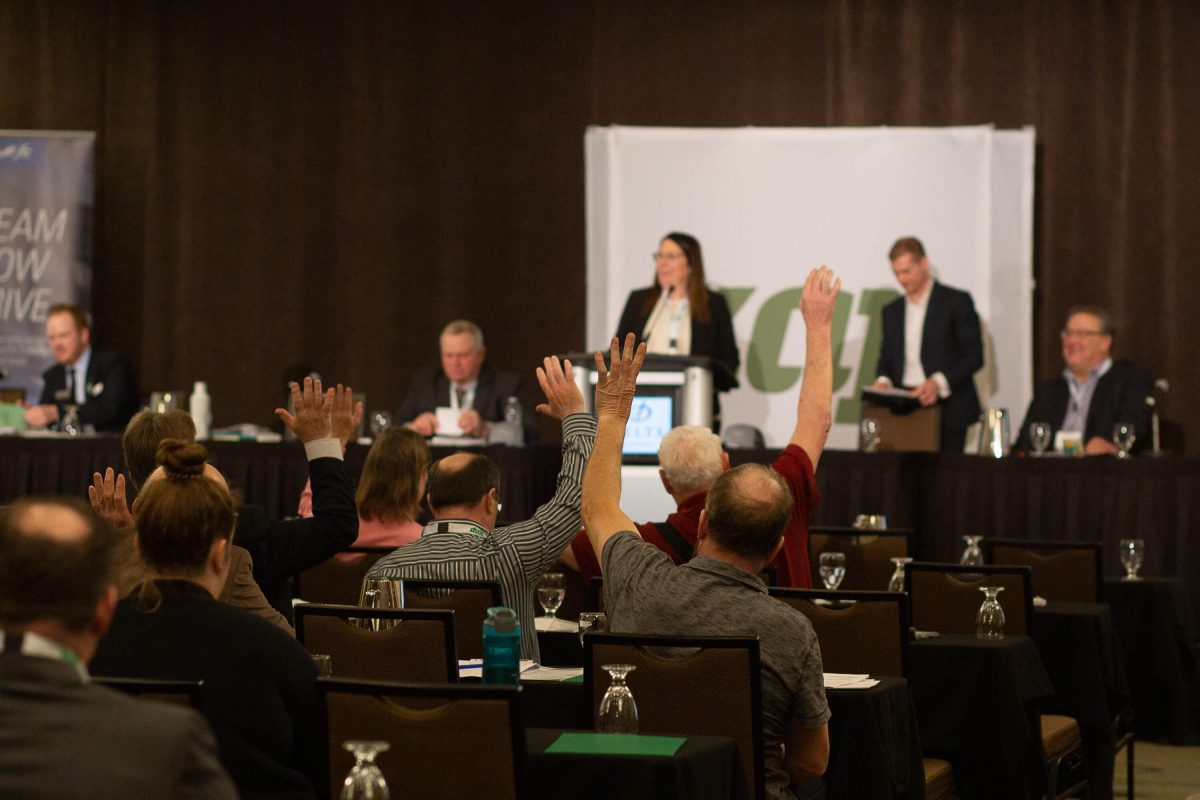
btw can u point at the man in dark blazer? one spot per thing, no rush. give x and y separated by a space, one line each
464 382
931 343
1093 393
99 382
62 736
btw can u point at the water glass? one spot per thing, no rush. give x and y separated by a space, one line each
1040 434
380 422
592 622
70 421
324 665
871 522
550 593
1123 436
972 556
833 569
989 622
379 593
896 584
1133 552
868 435
365 779
618 711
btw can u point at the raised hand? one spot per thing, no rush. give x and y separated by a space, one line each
107 497
819 297
314 410
558 384
616 384
346 414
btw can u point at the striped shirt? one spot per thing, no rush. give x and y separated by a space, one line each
515 556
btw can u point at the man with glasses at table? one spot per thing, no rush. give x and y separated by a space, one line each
1094 392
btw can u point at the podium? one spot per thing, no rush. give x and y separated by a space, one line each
904 424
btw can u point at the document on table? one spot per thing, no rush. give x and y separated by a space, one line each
473 668
841 680
548 624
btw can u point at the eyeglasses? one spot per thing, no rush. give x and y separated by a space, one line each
1078 334
667 256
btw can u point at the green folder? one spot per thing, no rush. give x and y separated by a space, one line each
11 416
616 744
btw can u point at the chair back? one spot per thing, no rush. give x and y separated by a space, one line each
859 632
183 693
446 740
1068 571
469 600
337 582
869 554
413 646
946 597
596 594
669 668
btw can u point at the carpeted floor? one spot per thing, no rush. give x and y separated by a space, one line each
1160 772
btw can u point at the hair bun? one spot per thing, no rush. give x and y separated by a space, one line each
181 460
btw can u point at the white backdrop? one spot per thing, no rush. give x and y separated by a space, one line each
768 204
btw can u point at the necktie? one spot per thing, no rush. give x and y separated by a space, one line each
71 383
461 395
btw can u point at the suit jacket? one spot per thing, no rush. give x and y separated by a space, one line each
259 690
115 402
714 338
1120 396
63 739
431 388
950 344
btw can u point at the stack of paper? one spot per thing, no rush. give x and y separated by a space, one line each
841 680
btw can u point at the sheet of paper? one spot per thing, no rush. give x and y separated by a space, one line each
839 680
545 623
552 674
447 421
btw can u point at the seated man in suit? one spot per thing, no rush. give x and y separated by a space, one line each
464 382
931 343
61 736
1094 392
99 382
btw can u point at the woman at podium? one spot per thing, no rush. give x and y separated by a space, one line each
680 315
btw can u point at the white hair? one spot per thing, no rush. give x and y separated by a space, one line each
691 457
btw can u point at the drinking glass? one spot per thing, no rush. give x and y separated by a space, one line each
972 555
618 711
550 593
989 622
868 435
833 569
896 584
324 665
70 421
1133 551
1123 436
870 522
380 422
379 593
1039 437
365 780
592 622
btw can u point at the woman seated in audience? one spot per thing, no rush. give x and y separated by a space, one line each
390 491
259 683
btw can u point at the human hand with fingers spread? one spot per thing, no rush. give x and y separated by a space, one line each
314 410
819 297
617 382
346 414
558 384
107 496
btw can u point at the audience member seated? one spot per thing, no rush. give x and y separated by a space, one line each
691 458
390 490
259 683
99 382
464 383
462 543
62 737
1094 392
718 592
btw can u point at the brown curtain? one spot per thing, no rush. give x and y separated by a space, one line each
329 183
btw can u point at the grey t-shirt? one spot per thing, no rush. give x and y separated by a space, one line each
644 592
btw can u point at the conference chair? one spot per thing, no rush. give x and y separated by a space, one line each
869 554
664 688
337 582
469 600
414 646
946 597
446 740
1067 571
183 693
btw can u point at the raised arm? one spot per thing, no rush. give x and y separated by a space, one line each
814 409
602 514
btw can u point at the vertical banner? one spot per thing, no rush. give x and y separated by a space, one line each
768 204
46 193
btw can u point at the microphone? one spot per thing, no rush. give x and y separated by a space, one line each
659 307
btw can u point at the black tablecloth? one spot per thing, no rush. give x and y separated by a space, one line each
977 707
875 748
1164 681
1083 659
704 768
560 649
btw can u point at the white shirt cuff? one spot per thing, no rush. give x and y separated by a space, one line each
323 448
943 385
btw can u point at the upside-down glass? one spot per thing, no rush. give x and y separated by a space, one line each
896 584
550 593
1039 437
989 622
1133 552
972 556
833 569
868 435
618 711
1123 436
365 779
592 622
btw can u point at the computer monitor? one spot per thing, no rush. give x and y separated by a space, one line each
655 411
